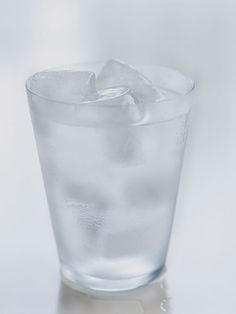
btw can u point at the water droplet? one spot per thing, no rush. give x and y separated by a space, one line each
164 304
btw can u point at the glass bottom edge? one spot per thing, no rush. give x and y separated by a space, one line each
93 285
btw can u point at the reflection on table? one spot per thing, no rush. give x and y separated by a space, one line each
145 300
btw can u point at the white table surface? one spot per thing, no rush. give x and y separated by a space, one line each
201 265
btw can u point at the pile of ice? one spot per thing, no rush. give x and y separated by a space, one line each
117 95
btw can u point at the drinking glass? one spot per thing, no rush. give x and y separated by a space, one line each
111 180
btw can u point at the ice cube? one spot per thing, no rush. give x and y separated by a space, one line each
111 106
123 146
122 241
67 86
117 73
116 108
85 209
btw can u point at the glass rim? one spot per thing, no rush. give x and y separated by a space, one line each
97 63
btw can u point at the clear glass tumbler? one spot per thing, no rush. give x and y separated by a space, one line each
111 182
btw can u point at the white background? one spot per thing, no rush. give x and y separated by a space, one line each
194 36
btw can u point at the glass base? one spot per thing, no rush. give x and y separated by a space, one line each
93 285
